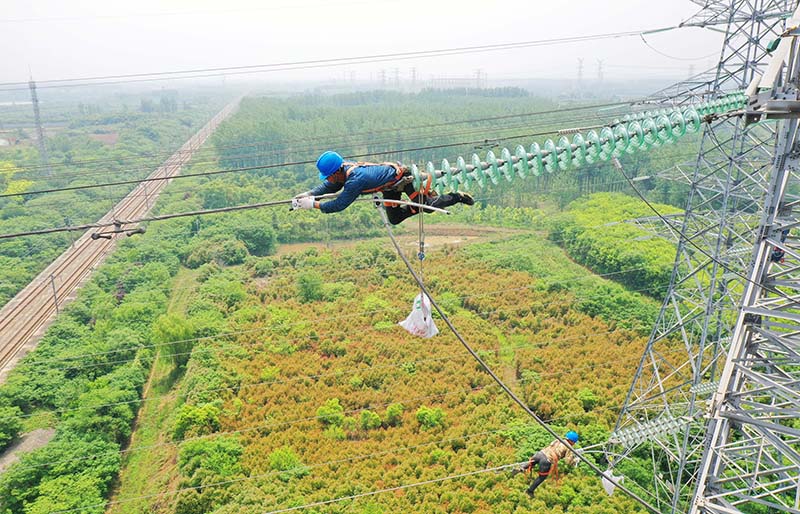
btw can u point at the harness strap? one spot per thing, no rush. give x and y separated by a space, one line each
424 190
399 175
530 466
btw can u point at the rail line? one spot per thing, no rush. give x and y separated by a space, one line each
25 317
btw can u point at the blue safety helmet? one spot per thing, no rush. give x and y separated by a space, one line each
328 163
572 436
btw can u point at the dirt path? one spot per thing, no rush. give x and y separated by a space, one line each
437 235
28 442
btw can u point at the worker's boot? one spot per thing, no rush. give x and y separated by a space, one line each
465 198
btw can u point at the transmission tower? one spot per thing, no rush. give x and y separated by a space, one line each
752 451
39 131
663 421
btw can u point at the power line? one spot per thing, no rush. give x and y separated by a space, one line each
675 58
296 421
319 63
314 149
325 319
390 489
210 173
213 484
265 382
83 356
343 137
492 374
123 195
268 166
181 13
697 247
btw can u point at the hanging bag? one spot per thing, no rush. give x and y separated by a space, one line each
420 322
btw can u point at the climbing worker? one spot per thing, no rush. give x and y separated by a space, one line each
778 253
547 459
356 178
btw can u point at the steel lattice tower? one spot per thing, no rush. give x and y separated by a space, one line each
39 130
663 421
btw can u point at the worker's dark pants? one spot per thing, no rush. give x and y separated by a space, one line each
397 214
542 465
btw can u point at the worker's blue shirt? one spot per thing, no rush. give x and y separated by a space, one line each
361 179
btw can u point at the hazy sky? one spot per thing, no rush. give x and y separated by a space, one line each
69 38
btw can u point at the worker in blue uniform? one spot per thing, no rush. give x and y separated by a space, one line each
390 179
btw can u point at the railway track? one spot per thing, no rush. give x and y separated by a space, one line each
25 317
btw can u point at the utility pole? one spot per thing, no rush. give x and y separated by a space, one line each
39 130
382 78
55 292
67 223
599 71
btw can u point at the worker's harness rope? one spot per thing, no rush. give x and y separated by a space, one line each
494 376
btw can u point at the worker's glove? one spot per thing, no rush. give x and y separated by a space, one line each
303 195
306 202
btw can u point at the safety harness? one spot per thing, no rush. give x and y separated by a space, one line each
553 468
424 190
401 179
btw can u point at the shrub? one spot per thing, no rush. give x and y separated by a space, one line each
263 267
331 413
19 483
68 492
224 289
288 463
369 420
269 373
175 334
10 425
309 286
587 398
207 270
430 417
330 349
193 420
394 414
224 251
258 238
335 432
210 460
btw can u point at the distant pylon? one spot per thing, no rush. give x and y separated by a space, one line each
600 71
39 130
479 78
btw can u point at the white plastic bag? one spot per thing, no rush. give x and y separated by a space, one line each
420 322
607 484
